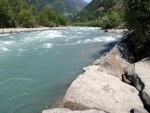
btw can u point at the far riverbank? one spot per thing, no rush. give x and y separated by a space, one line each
17 30
117 30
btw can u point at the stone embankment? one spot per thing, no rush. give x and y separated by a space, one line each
100 89
17 30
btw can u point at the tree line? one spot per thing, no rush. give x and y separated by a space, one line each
18 13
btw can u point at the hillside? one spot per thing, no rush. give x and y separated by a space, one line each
68 8
105 13
97 9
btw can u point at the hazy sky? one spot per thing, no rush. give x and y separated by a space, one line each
88 0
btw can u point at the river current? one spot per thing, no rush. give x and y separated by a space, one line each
37 67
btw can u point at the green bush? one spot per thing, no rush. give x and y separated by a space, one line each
52 24
47 23
62 21
104 23
137 16
26 19
44 23
110 21
114 20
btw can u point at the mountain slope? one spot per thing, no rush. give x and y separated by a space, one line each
97 9
65 7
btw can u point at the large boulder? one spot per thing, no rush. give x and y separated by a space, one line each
99 90
113 66
139 75
113 62
64 110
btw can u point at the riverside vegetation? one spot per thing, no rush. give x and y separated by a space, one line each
18 13
137 17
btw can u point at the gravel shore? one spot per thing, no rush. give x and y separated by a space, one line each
17 30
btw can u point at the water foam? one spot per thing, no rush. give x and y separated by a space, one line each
50 34
29 39
4 49
20 49
84 28
94 40
44 35
47 45
6 42
108 39
97 39
4 34
11 37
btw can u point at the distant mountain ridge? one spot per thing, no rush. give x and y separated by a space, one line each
68 8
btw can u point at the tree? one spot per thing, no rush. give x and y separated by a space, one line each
35 12
26 19
114 20
137 16
49 17
104 23
46 13
62 20
6 15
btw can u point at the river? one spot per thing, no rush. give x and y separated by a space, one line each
37 67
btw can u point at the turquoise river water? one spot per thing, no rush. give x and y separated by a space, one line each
37 67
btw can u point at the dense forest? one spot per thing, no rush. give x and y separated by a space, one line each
18 13
68 8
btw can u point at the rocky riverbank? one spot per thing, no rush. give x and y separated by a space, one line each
17 30
113 84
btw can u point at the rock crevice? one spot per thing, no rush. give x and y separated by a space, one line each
139 74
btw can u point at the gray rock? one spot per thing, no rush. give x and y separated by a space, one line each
100 91
94 68
112 63
139 110
113 66
58 103
133 77
57 110
65 110
139 75
118 52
